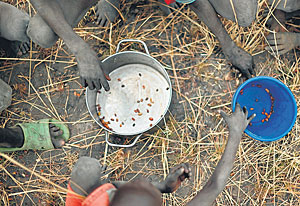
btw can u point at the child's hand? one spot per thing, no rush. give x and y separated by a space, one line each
237 122
176 176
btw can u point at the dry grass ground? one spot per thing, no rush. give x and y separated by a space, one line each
46 84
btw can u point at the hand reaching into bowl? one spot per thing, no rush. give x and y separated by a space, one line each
237 122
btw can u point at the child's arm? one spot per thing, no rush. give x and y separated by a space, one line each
172 181
237 123
89 66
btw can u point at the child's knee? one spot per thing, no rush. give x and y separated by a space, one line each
40 33
85 174
85 165
17 30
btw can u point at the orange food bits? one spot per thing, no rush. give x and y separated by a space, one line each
251 108
151 101
267 119
144 87
250 124
256 100
142 100
258 85
133 119
121 125
112 119
140 114
117 120
266 114
119 79
76 94
150 105
150 118
268 91
262 120
107 77
99 113
150 125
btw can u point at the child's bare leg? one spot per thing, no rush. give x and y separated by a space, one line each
43 35
237 56
237 123
85 176
13 25
107 11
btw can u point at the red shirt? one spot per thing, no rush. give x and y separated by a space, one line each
98 197
169 1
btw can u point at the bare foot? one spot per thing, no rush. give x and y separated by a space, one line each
20 48
106 11
14 48
14 137
54 133
282 42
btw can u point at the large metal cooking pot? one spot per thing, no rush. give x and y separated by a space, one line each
139 97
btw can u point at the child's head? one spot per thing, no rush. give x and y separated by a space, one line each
140 192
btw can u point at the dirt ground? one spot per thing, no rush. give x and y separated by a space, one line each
46 84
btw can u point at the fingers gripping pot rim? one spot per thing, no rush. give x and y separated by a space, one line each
139 97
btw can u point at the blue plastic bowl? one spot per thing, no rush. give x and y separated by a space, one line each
256 95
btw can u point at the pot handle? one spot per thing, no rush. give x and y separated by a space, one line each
133 40
121 145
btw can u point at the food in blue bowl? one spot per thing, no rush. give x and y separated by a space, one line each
272 102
